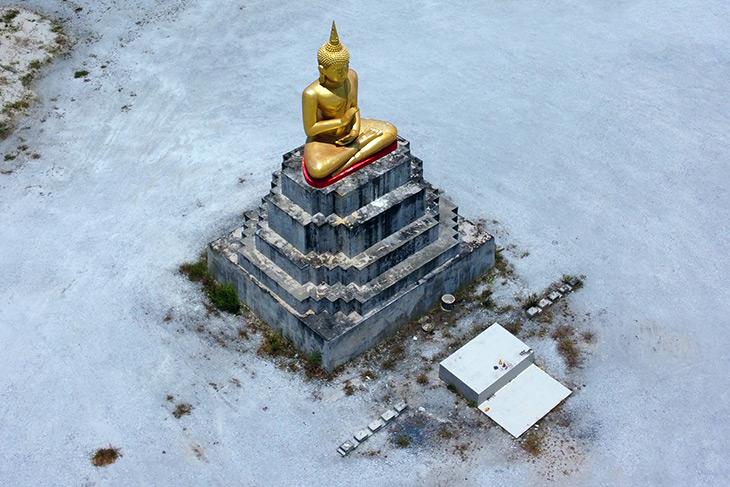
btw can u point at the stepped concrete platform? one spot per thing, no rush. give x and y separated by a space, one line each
340 268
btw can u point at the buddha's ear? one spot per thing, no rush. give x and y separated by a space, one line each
321 73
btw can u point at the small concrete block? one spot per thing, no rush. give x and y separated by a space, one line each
565 288
376 425
400 407
544 303
363 435
554 296
348 446
388 415
534 311
341 452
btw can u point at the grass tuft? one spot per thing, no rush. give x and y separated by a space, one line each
569 352
182 409
403 441
222 296
105 456
532 443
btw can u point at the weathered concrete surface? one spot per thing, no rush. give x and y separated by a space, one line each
339 269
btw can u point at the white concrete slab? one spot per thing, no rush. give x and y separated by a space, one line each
388 415
486 363
376 425
524 400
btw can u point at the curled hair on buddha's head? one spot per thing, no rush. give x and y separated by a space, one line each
333 52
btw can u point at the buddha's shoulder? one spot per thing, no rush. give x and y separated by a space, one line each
313 90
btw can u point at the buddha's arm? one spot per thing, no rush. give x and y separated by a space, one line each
355 131
309 116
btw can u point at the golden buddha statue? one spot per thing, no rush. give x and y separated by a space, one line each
337 137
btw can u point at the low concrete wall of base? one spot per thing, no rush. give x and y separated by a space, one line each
374 327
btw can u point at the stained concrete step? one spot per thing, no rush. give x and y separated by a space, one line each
354 191
351 234
352 298
331 268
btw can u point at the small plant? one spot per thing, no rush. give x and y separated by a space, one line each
15 106
403 441
531 301
562 332
514 327
446 433
422 379
588 336
349 389
569 352
224 297
573 281
273 341
105 456
314 359
181 410
471 404
81 74
532 443
503 267
486 300
35 64
26 79
10 15
196 271
545 317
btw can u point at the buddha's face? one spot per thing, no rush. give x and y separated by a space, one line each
336 73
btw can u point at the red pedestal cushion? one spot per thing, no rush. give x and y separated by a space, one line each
324 182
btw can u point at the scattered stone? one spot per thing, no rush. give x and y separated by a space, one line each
554 296
544 303
534 311
363 435
427 327
376 425
388 415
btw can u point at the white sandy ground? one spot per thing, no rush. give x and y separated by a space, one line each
596 132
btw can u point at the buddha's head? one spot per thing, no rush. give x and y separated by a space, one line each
333 59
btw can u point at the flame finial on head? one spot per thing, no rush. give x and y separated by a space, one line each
333 52
334 38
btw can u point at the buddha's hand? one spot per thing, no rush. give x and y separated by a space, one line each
347 138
